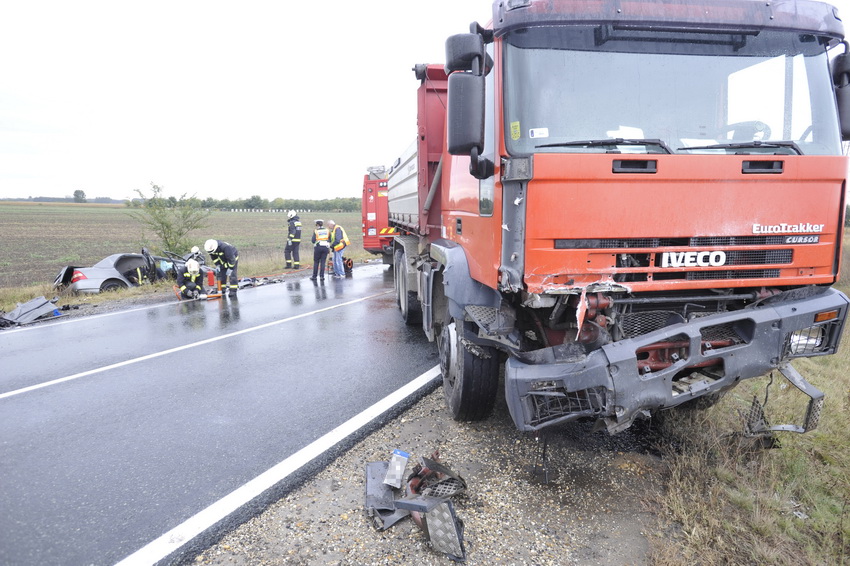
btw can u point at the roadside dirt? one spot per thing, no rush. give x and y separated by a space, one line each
595 508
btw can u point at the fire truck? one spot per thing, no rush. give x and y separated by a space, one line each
377 233
626 206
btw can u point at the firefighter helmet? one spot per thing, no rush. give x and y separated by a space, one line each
210 245
193 266
319 222
291 214
195 250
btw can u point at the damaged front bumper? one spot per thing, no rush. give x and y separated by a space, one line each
619 382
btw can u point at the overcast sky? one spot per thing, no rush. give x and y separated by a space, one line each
214 99
210 98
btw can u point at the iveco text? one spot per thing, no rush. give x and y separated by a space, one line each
693 259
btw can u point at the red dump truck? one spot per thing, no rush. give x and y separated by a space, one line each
632 205
377 233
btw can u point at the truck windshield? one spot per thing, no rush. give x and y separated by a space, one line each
691 92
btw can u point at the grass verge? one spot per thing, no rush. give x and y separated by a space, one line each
729 500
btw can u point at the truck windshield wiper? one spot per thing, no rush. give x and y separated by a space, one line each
610 142
749 145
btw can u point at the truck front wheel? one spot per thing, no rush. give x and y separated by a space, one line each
470 374
411 308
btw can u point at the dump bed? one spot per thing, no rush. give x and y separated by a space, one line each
413 195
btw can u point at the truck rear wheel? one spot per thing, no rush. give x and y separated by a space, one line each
411 308
470 375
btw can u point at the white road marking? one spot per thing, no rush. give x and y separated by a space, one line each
181 348
173 540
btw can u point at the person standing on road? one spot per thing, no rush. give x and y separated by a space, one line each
321 247
225 258
339 240
189 280
292 252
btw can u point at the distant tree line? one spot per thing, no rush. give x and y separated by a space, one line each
79 197
255 202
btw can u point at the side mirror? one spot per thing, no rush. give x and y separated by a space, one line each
841 84
465 119
466 64
462 50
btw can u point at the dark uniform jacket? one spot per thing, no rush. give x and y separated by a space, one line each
294 235
225 255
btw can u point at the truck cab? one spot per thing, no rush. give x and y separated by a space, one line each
638 204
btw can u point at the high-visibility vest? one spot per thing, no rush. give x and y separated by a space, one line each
337 245
322 235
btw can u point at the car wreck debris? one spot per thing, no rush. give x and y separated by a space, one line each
30 311
425 498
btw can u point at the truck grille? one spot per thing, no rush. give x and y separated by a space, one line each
714 275
630 243
640 323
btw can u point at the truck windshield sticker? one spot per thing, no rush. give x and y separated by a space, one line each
538 133
693 259
800 228
515 131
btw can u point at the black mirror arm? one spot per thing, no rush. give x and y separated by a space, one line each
480 167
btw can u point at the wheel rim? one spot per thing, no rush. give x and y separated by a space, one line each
448 355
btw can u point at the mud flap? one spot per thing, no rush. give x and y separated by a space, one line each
380 504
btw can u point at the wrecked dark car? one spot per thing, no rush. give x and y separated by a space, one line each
120 271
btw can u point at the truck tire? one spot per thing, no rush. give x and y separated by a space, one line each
470 379
411 308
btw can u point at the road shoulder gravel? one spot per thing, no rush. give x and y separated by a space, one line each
594 510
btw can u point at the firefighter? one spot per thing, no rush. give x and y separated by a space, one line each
190 280
339 240
225 258
321 247
292 252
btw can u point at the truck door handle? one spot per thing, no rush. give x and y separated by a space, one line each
762 167
635 166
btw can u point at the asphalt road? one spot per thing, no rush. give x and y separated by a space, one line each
115 429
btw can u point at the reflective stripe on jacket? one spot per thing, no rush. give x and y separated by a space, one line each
294 235
185 277
225 255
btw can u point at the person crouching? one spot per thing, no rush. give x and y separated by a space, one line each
190 281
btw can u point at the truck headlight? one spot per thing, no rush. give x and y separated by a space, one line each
806 341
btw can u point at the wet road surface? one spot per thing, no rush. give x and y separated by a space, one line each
116 428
